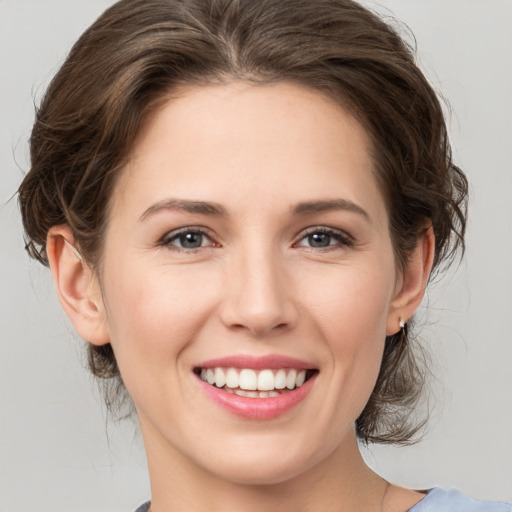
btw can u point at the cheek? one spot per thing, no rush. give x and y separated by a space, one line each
350 311
352 299
356 337
152 315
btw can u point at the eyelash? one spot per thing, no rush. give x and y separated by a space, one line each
341 238
175 235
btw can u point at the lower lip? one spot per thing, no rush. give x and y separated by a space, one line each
258 408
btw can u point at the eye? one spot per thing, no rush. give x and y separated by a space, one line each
323 238
187 239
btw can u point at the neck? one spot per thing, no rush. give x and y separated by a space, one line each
341 482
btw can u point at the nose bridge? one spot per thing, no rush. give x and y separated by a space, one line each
258 293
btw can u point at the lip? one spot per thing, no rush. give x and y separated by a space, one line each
257 408
271 361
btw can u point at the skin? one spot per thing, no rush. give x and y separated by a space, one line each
256 286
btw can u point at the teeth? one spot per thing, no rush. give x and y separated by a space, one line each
252 394
220 378
280 379
291 378
231 378
266 380
252 383
248 379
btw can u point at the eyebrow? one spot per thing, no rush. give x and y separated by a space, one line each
216 209
187 206
309 207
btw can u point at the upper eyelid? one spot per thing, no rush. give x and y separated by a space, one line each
321 227
186 229
324 229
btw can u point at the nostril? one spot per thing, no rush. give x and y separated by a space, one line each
260 327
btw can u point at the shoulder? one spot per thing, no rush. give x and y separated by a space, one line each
440 500
144 508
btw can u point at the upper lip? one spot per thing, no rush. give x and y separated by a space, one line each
273 361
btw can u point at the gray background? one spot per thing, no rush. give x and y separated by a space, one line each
57 451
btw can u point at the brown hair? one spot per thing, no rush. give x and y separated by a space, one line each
129 60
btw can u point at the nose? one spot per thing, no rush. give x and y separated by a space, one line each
258 296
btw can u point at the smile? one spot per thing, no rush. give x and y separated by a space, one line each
247 382
256 388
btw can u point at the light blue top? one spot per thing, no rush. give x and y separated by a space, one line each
439 500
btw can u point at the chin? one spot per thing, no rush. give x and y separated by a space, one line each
265 474
255 464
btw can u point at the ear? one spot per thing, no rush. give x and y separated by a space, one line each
412 283
77 286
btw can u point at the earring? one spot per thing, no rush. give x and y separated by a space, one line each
401 323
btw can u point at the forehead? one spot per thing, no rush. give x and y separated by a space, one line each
229 142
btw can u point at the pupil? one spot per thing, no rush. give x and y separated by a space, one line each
319 240
191 240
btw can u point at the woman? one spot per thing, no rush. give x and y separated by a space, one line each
241 204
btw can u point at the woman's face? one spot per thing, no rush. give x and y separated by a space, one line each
248 233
